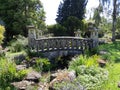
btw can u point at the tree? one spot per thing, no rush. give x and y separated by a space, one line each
57 30
97 16
73 24
116 4
17 14
68 8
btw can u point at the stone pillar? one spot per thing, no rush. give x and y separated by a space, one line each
31 36
39 34
94 36
78 33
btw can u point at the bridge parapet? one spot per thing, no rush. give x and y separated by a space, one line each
61 43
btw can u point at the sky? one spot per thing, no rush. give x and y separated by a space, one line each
51 7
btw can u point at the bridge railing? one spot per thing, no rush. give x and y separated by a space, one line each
61 43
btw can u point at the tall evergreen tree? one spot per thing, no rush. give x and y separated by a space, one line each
17 14
68 8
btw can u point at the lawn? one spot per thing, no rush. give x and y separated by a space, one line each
112 56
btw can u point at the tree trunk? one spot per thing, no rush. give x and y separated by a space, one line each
114 20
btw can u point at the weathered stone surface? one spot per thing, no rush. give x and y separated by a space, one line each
43 86
33 76
22 85
63 76
20 67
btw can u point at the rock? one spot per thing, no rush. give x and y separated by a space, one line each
33 76
22 85
63 76
118 84
72 75
20 67
43 86
102 63
103 52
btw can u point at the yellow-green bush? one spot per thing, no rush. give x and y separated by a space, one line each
2 30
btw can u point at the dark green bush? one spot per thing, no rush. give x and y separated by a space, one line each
57 30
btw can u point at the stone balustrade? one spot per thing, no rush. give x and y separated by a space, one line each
60 43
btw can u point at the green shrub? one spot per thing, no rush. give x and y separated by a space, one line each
89 78
89 75
8 72
75 85
83 60
17 57
19 44
42 64
92 77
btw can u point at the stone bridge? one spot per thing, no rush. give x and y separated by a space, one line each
60 45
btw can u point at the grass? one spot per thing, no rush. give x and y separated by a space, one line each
114 77
113 51
112 56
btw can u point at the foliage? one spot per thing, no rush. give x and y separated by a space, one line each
115 12
42 64
73 24
18 44
105 25
83 60
68 8
92 77
75 85
57 30
88 73
112 51
18 14
2 30
97 16
18 57
8 72
114 77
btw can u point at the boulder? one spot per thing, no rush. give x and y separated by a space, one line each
43 86
33 76
22 85
102 63
20 67
62 76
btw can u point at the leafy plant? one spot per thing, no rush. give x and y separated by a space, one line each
2 30
42 64
19 44
92 77
8 73
83 60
